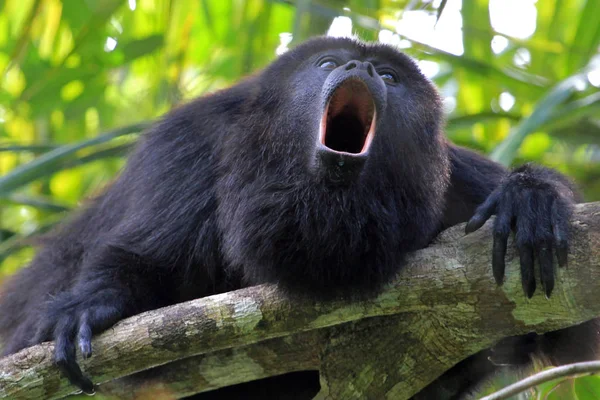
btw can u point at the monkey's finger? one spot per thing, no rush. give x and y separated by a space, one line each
527 276
64 354
498 256
560 230
562 254
84 336
546 268
95 319
483 212
501 233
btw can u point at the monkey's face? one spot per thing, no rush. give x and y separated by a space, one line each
350 107
337 171
351 99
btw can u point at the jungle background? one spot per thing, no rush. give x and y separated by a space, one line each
82 78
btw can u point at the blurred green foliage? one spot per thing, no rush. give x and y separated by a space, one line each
82 78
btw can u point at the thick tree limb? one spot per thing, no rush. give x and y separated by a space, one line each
443 307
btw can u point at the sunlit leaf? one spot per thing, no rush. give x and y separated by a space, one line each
16 148
23 41
587 387
46 204
507 150
470 119
17 242
140 47
440 10
54 160
587 38
555 390
575 110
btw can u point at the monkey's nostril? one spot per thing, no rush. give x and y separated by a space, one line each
370 70
350 66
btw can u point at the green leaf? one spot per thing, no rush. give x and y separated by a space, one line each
558 389
35 148
517 81
205 7
573 111
507 150
6 234
24 39
586 40
141 47
116 151
87 18
468 120
440 10
55 160
17 242
42 203
587 387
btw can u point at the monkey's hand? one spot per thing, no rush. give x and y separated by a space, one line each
73 317
537 204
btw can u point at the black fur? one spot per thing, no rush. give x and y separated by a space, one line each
234 189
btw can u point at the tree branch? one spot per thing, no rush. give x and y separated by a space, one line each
583 368
443 307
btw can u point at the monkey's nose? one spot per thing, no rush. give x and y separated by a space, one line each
365 66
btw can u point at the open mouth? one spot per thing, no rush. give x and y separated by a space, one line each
348 122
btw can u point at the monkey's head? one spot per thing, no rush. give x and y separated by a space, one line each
348 168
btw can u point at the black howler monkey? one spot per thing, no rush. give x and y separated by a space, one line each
319 174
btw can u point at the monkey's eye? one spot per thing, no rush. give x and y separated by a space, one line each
328 64
387 77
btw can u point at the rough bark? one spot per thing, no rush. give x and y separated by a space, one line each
443 307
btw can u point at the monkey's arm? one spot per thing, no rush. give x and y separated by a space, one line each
162 248
473 178
114 284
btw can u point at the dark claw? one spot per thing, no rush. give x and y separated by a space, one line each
562 256
527 275
560 229
65 355
501 233
72 371
546 269
498 256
